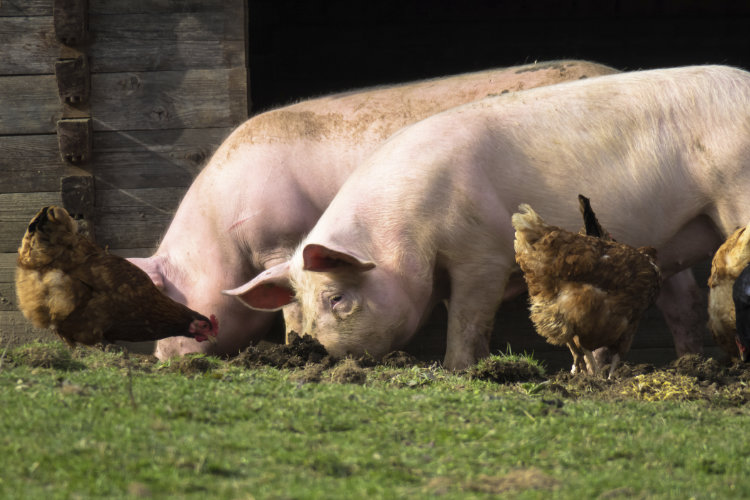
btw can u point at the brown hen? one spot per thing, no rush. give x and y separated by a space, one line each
585 292
85 295
728 262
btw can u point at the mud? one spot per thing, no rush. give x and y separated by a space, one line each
192 364
689 378
299 352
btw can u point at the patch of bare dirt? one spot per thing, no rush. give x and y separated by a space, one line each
689 378
514 481
312 363
191 364
348 371
296 354
400 359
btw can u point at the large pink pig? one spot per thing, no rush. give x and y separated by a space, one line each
268 183
665 154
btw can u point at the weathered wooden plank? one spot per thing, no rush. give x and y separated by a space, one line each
168 99
16 210
31 163
138 159
155 39
29 105
130 101
7 266
163 6
7 285
26 8
28 45
134 218
15 330
166 42
8 301
157 158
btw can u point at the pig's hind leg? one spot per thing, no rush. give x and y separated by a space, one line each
684 308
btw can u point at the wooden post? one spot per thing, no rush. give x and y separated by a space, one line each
73 81
74 138
71 21
78 197
75 130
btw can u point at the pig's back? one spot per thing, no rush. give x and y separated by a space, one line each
620 140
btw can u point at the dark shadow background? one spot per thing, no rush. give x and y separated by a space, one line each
301 49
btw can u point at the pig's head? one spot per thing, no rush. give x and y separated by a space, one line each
347 303
199 288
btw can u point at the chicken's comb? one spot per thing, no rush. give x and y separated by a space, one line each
214 325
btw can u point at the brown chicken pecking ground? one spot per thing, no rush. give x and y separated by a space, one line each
84 294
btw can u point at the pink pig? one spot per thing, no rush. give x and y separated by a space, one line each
268 183
664 154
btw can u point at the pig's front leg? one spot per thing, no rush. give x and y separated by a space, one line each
684 308
476 293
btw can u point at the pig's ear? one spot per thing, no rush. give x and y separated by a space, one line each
151 267
269 291
319 258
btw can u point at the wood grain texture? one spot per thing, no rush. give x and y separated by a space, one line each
15 330
166 42
16 211
134 218
164 6
168 99
151 159
28 45
25 8
30 105
31 163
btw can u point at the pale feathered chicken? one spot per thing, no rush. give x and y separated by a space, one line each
585 292
741 299
728 262
85 295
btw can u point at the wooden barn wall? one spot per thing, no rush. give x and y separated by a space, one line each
168 83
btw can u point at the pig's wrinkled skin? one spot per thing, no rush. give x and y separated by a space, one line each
664 154
270 180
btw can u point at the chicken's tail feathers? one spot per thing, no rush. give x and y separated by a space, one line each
741 250
529 226
590 222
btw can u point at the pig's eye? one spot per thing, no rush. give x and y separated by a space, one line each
335 299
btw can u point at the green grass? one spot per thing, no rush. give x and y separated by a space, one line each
85 428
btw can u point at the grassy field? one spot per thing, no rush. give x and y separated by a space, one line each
95 424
